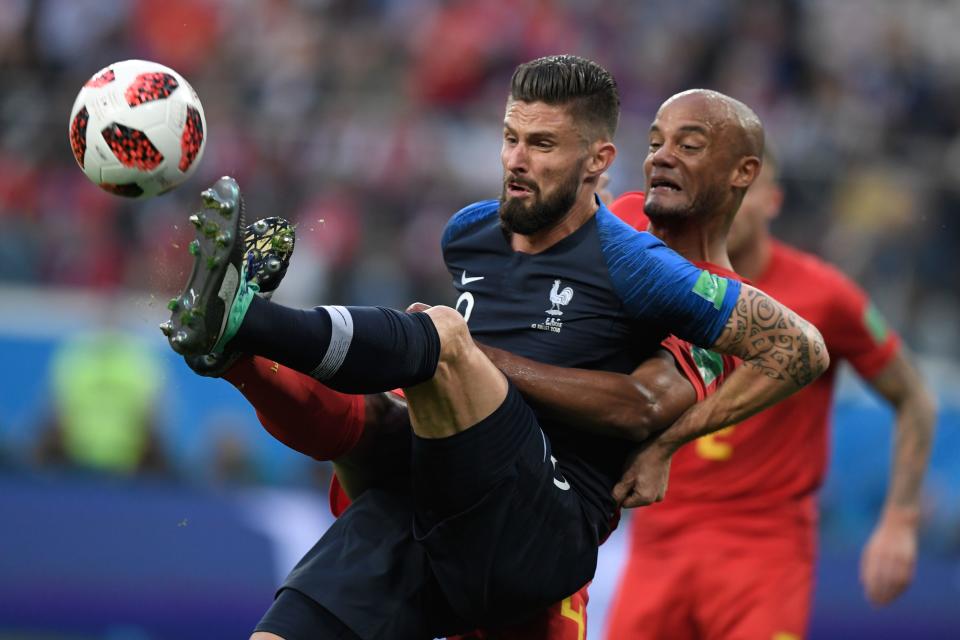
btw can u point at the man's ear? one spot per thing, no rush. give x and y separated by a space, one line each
602 154
746 172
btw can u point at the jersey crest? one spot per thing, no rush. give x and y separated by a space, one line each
558 298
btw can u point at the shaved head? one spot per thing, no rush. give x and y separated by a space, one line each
734 117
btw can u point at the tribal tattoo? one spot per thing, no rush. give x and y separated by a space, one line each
771 337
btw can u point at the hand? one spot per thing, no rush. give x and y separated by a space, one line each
889 558
417 306
603 189
645 479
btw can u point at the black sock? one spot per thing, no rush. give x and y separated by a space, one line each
350 349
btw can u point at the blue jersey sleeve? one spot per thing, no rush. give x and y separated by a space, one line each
466 218
658 285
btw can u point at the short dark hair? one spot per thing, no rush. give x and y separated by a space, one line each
589 89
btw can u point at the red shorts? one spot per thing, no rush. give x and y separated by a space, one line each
712 593
566 620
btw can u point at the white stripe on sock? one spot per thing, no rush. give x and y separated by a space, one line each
340 337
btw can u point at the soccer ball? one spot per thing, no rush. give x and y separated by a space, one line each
137 129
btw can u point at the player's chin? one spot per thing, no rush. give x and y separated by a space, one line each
665 204
514 210
519 200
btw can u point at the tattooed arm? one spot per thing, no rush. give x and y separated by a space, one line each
781 353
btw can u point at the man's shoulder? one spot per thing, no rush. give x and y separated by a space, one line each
807 271
630 254
470 217
851 324
617 234
793 259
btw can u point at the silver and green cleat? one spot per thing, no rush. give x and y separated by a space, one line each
267 247
217 289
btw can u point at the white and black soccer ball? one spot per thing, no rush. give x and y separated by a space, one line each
137 129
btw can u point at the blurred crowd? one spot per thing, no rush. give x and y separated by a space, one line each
369 122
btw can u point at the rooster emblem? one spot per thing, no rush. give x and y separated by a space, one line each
559 298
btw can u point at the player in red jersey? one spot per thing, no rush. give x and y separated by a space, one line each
730 553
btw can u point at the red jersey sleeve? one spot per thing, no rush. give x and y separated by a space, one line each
682 353
704 369
856 330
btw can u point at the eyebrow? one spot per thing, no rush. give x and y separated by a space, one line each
536 135
687 128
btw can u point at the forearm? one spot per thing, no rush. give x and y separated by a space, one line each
889 557
914 437
911 453
747 391
915 424
627 406
781 353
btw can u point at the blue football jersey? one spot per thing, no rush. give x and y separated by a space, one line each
602 298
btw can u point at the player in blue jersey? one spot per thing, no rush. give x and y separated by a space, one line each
508 508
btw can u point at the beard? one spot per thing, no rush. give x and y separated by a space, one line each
541 213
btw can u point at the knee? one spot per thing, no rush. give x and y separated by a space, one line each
455 339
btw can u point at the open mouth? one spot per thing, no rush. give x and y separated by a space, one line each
663 185
518 190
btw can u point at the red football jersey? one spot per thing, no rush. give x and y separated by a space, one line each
751 478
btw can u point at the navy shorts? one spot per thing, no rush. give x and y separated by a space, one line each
490 534
505 534
370 573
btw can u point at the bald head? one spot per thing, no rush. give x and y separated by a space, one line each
734 118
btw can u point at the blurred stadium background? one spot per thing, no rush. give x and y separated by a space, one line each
141 502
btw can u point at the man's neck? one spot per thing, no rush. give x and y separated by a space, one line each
696 241
581 211
751 262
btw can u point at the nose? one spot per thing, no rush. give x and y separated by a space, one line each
515 158
663 156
